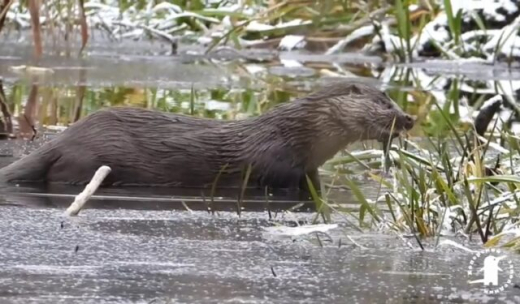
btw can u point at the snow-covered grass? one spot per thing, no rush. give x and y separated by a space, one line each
481 30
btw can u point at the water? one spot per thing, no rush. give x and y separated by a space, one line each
143 246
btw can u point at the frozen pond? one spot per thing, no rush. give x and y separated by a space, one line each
121 256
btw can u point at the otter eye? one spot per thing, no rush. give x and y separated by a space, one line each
384 103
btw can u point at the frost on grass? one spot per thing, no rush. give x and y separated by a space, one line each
498 39
129 20
441 203
447 209
163 20
489 28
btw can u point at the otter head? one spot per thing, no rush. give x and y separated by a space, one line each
363 112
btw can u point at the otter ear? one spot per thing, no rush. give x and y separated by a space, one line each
355 89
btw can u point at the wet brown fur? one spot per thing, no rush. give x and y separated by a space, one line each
151 148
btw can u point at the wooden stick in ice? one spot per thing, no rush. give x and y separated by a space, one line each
83 197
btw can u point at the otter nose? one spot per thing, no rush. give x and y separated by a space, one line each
409 121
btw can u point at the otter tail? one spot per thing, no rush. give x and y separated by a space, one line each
30 168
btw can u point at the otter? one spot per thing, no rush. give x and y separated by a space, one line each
278 149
